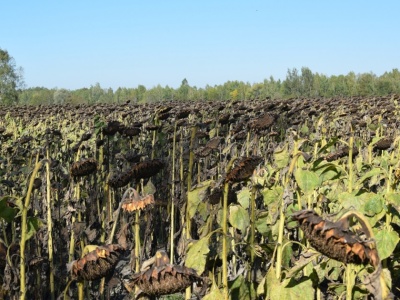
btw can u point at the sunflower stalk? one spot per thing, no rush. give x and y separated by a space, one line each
171 258
24 230
253 227
49 227
225 242
281 224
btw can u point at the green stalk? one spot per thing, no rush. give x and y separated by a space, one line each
279 252
71 242
81 295
49 227
253 220
72 248
350 277
281 224
350 280
66 290
137 237
111 237
350 162
248 144
225 242
171 258
24 230
189 186
189 180
72 238
153 142
233 245
137 242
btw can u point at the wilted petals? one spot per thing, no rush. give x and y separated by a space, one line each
335 241
132 204
97 263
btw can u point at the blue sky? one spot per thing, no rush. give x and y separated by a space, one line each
75 44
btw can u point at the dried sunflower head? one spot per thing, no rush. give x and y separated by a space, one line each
97 263
262 122
163 278
83 168
342 152
131 131
146 169
112 128
383 144
120 179
132 156
336 241
244 169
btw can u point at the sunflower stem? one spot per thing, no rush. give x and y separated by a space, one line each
81 294
171 258
24 230
225 242
350 162
252 228
49 227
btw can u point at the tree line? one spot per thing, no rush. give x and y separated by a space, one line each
297 84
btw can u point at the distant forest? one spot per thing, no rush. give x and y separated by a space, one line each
297 84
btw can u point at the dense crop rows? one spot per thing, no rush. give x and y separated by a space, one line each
294 199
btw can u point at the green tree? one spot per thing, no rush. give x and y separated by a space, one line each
307 82
155 94
183 90
292 83
366 84
351 82
96 92
61 96
140 93
11 79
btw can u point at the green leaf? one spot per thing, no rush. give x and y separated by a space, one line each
212 133
244 197
215 293
261 178
262 223
373 172
288 289
373 205
271 195
386 242
195 197
203 210
149 188
351 200
239 217
304 129
261 287
327 172
241 289
197 255
33 225
303 261
308 181
281 157
287 254
6 212
393 198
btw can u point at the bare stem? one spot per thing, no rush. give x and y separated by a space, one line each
24 230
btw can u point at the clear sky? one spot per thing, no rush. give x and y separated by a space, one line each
75 44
